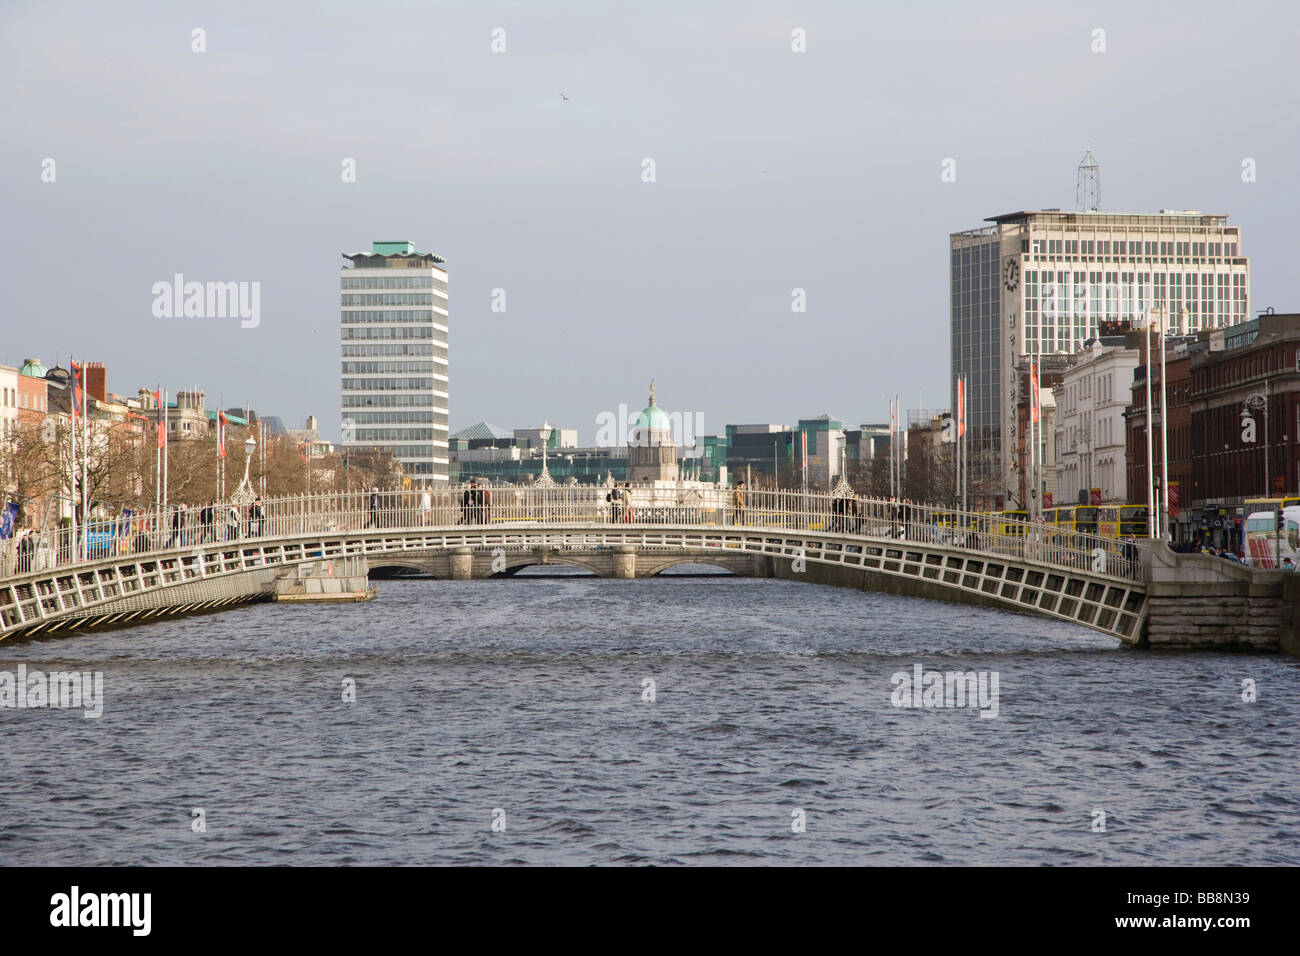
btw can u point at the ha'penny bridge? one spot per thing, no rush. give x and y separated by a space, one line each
143 567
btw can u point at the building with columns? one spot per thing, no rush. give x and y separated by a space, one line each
651 453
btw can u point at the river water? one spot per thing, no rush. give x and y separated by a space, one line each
500 722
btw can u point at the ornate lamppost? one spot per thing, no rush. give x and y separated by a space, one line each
545 480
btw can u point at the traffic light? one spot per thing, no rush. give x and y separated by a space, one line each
1281 521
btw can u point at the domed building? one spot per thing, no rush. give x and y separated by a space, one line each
651 454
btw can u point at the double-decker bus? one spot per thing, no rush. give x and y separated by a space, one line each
1270 538
1073 519
1009 522
1120 521
1254 505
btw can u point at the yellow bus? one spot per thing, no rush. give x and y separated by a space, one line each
1073 519
1252 505
1009 522
1120 521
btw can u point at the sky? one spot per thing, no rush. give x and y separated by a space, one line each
774 170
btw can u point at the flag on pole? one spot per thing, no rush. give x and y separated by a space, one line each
221 434
1033 387
162 421
76 389
961 406
804 437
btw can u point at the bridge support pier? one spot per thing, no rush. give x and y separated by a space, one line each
462 564
624 561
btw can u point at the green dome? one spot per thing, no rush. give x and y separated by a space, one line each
652 417
32 367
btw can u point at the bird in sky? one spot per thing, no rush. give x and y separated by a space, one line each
563 97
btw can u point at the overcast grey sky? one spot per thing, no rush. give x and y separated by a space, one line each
775 170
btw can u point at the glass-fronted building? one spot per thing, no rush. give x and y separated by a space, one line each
394 357
1039 284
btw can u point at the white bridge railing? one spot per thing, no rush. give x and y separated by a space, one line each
182 528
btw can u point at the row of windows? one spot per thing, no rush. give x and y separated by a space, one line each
353 351
390 298
424 400
393 282
1107 247
385 384
394 315
376 368
399 418
13 398
402 452
425 332
398 434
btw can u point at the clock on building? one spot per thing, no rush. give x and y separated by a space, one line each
1011 274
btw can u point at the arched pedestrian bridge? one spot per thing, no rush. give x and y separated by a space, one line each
154 565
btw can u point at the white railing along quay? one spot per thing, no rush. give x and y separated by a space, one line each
182 528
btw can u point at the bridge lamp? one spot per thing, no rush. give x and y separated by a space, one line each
544 433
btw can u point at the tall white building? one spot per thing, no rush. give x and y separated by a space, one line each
1041 283
1090 429
394 350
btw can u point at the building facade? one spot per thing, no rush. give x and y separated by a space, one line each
1039 283
1245 413
1091 460
651 453
394 357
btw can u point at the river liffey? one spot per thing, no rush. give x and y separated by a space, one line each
678 720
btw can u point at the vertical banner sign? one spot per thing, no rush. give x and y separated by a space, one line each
1173 499
1033 385
961 406
221 434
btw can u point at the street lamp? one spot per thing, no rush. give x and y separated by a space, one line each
244 493
544 433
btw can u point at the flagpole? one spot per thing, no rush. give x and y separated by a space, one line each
157 448
166 454
965 451
1152 520
85 467
72 484
1164 435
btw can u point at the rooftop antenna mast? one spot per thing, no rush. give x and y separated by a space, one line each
1087 190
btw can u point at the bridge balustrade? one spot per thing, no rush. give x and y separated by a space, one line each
182 528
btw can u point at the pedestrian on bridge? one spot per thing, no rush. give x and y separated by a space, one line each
615 498
374 507
738 502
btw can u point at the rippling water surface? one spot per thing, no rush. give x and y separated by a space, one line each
527 696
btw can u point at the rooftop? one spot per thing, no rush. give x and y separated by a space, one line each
482 430
1056 215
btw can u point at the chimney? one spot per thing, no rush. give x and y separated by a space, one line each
96 381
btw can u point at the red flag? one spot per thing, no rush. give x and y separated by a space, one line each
961 406
304 451
162 420
1033 387
221 434
804 436
76 388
